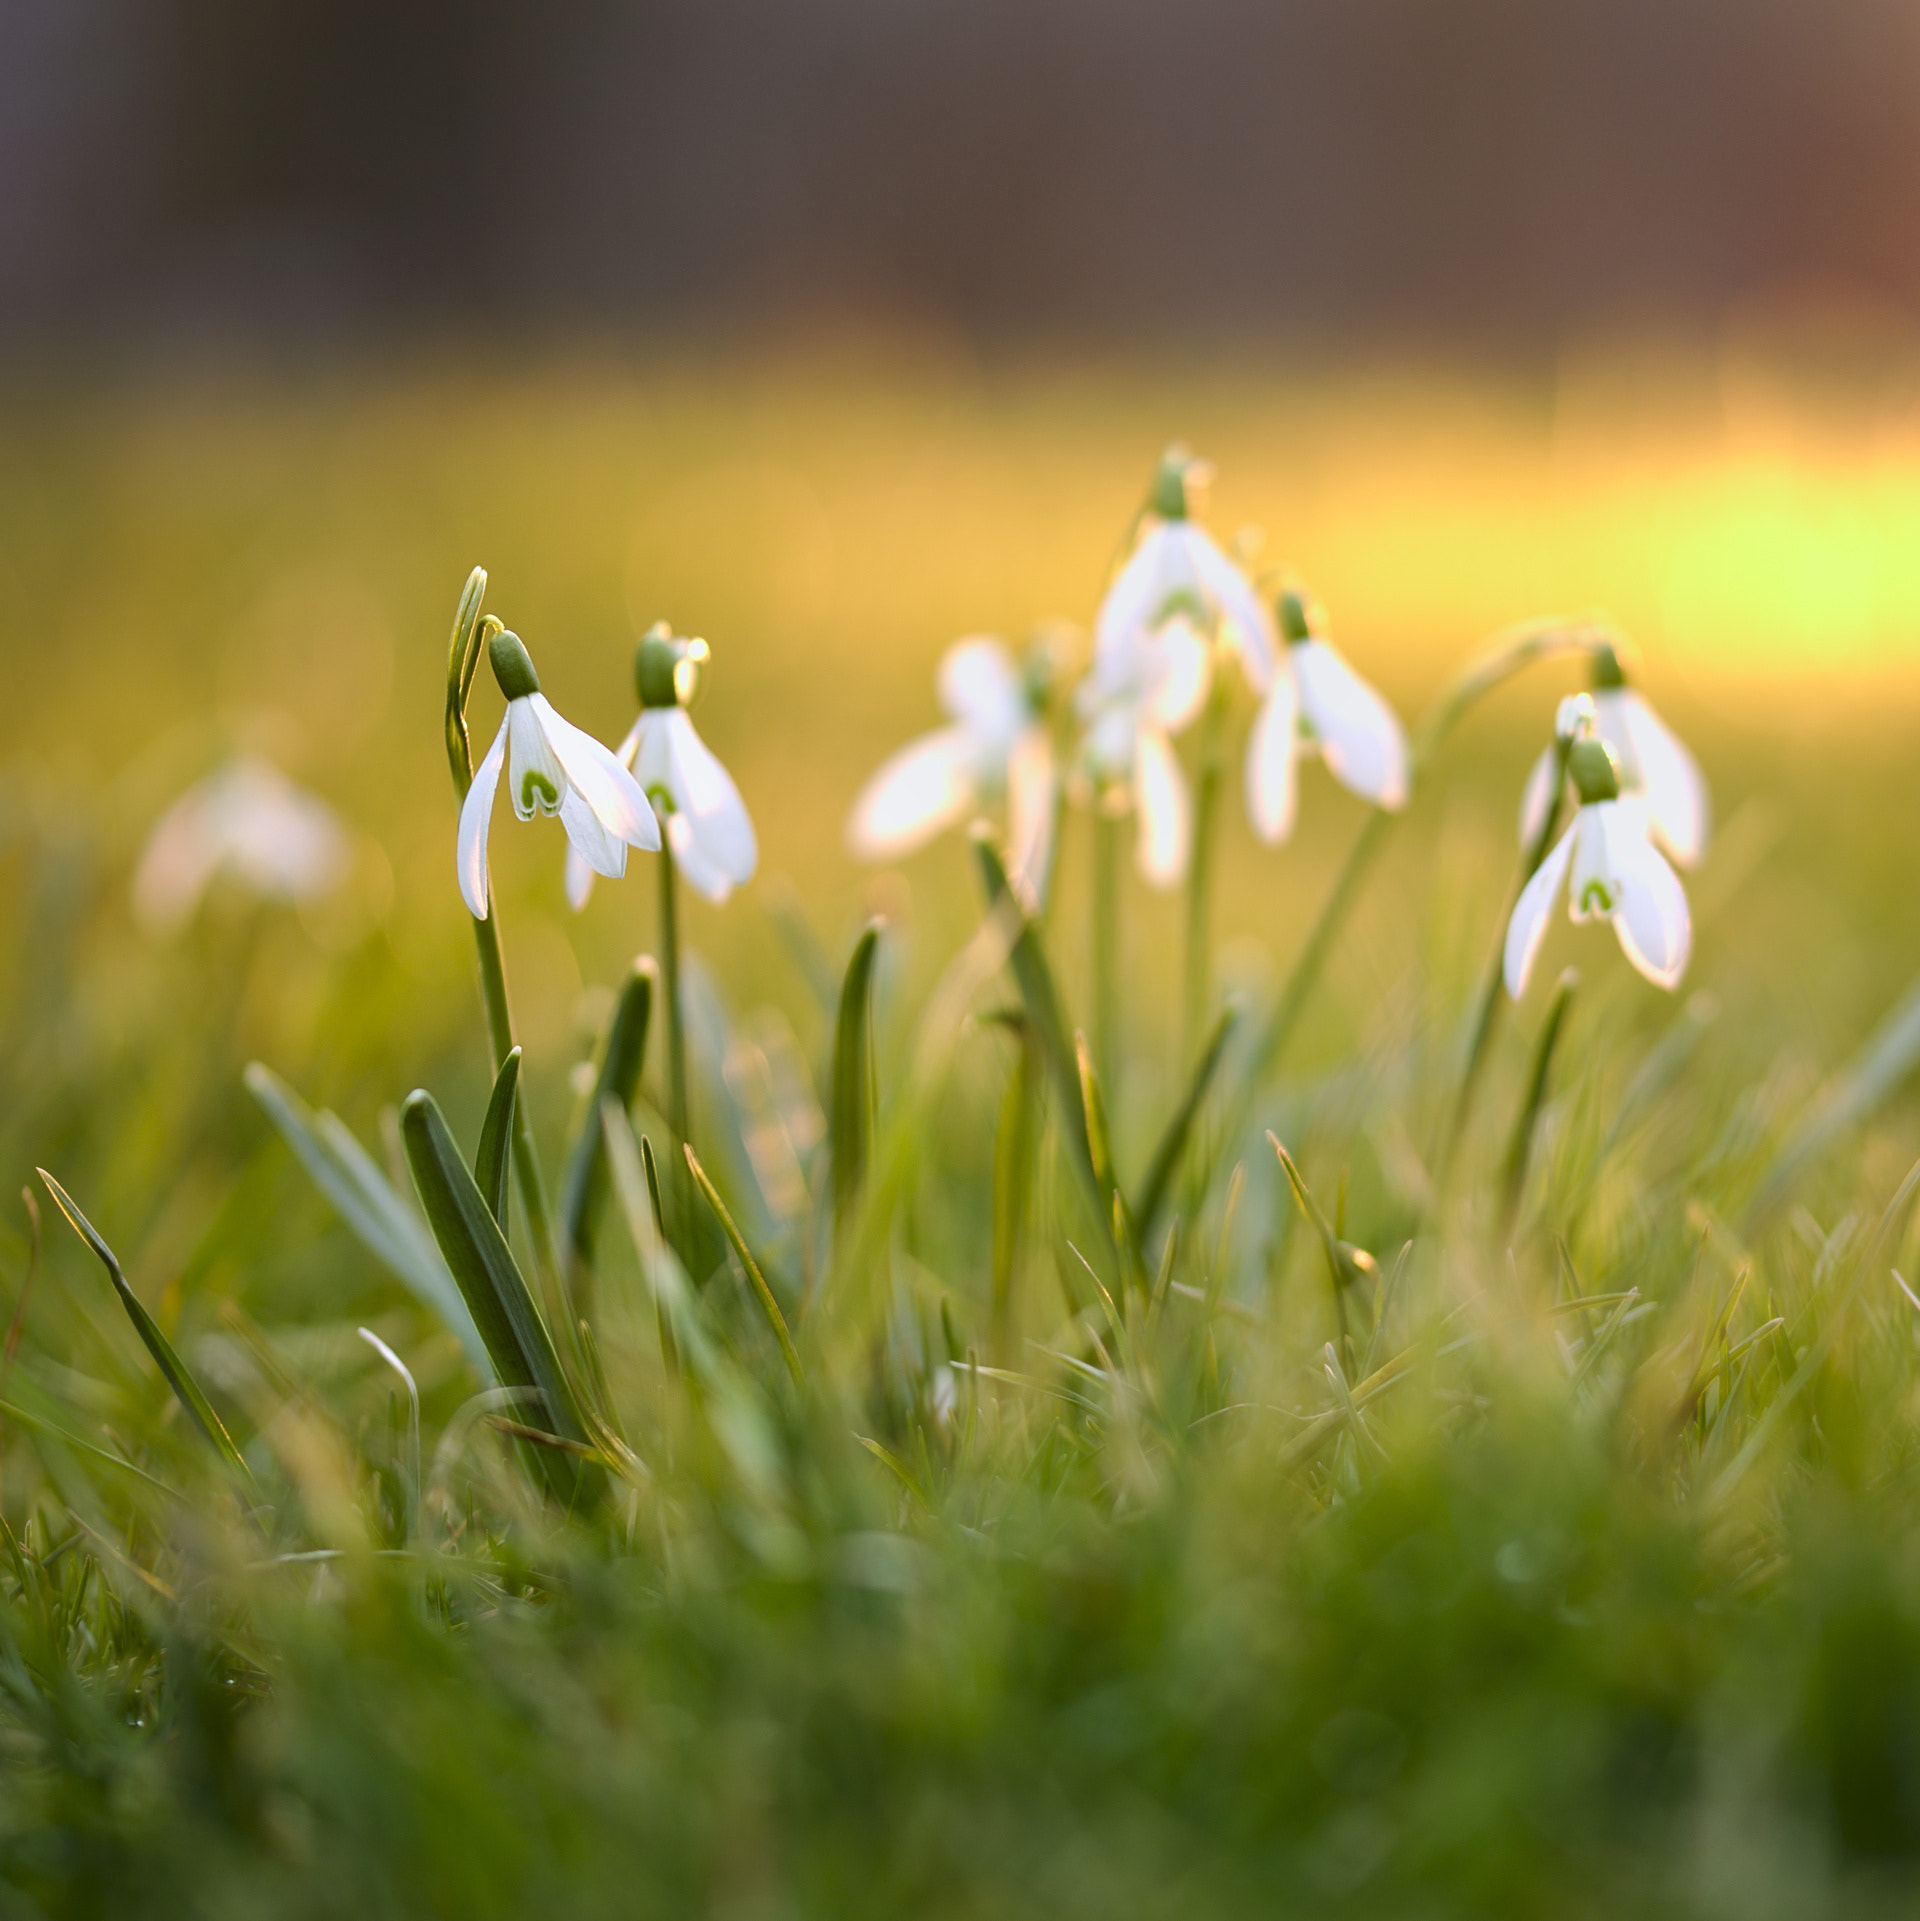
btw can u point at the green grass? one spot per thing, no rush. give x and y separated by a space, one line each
1505 1602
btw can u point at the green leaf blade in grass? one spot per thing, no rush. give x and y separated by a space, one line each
1166 1156
364 1198
178 1376
583 1193
854 1092
492 1160
476 1253
769 1306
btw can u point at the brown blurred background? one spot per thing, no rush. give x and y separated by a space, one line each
1486 177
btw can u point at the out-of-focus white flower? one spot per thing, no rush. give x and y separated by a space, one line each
1612 871
556 769
1315 703
1124 703
1657 774
1175 590
998 743
248 822
707 828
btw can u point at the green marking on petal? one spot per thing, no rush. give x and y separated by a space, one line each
537 792
1596 896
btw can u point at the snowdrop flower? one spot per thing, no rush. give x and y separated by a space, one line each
1315 703
997 743
1124 703
1657 774
708 832
1612 871
1174 592
556 769
246 821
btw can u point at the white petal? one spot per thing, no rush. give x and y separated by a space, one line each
629 748
1654 926
476 812
280 840
536 780
980 686
604 851
926 786
1528 927
1030 811
1136 594
1675 788
1242 611
1537 797
1593 890
1179 670
606 786
652 756
1359 734
704 794
1273 780
579 878
176 864
1160 794
696 866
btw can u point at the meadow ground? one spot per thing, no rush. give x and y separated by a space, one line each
1565 1560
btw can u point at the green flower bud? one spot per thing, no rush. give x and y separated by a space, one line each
1168 495
1295 624
1595 771
666 670
512 667
1607 671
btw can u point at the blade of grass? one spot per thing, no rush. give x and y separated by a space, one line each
492 1159
855 1098
1166 1156
775 1319
583 1192
1520 1147
186 1389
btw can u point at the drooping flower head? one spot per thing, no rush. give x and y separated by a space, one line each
707 828
997 743
1175 597
1126 755
1315 703
1657 774
1611 870
555 769
248 822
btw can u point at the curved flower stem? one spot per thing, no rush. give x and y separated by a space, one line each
1206 810
1108 830
676 1036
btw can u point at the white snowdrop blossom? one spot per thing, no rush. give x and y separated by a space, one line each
556 769
1315 703
1657 774
997 743
1124 704
1611 871
708 832
248 822
1175 592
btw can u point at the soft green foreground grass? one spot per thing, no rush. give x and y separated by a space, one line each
1514 1604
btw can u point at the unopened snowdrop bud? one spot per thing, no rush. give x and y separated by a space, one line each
1611 871
1177 477
1318 704
556 769
1657 774
998 743
707 827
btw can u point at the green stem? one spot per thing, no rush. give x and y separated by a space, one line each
1206 813
1108 832
1489 1007
677 1117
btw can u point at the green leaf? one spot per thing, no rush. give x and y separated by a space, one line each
492 1160
1166 1157
186 1389
482 1264
854 1093
775 1319
584 1191
363 1197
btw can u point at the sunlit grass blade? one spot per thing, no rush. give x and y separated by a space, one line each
636 1186
1173 1142
769 1306
1346 1265
492 1159
364 1198
584 1190
476 1252
854 1099
1094 1106
1016 1148
186 1389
